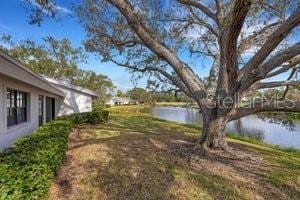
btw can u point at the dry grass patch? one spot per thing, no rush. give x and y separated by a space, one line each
139 157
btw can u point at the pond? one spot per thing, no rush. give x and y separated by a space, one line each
261 128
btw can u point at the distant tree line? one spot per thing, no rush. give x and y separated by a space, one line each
57 59
143 96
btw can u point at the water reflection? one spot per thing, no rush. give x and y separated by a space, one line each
278 118
240 126
242 129
285 133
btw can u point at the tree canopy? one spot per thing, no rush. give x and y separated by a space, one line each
57 59
38 10
246 41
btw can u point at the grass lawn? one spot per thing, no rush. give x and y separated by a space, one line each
136 156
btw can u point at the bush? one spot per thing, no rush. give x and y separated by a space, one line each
95 117
99 107
27 170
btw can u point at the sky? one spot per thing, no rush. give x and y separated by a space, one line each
14 21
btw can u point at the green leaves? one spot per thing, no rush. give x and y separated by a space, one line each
96 117
27 170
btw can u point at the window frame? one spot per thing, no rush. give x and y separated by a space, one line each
16 107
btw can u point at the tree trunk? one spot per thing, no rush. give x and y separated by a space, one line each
213 134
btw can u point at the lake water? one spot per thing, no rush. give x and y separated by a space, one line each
252 126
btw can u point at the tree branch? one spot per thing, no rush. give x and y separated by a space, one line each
276 84
195 20
219 10
270 44
288 86
199 6
271 106
279 59
260 73
160 70
183 71
203 22
119 43
285 68
247 42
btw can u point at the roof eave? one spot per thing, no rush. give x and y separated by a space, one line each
55 91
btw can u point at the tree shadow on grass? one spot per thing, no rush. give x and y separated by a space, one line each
133 158
141 167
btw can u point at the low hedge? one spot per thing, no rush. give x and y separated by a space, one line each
27 170
94 117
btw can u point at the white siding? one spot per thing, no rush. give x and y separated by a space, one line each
74 102
17 77
9 134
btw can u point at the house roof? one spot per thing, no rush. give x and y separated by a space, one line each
66 84
16 70
22 73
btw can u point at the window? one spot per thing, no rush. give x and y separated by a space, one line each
16 107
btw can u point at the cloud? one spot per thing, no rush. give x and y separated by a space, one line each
3 26
56 8
62 9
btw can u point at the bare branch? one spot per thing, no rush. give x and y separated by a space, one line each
285 68
176 81
270 44
276 84
207 52
203 53
279 59
276 61
219 10
288 86
183 71
204 23
257 36
199 6
193 21
272 106
117 42
269 6
213 73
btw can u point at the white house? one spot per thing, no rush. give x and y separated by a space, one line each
115 101
27 100
76 99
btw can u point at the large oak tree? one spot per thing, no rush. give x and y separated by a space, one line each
247 42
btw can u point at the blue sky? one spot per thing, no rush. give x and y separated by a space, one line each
14 21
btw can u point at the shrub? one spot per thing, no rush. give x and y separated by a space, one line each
99 107
94 117
27 170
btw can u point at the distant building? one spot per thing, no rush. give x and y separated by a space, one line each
76 99
117 101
